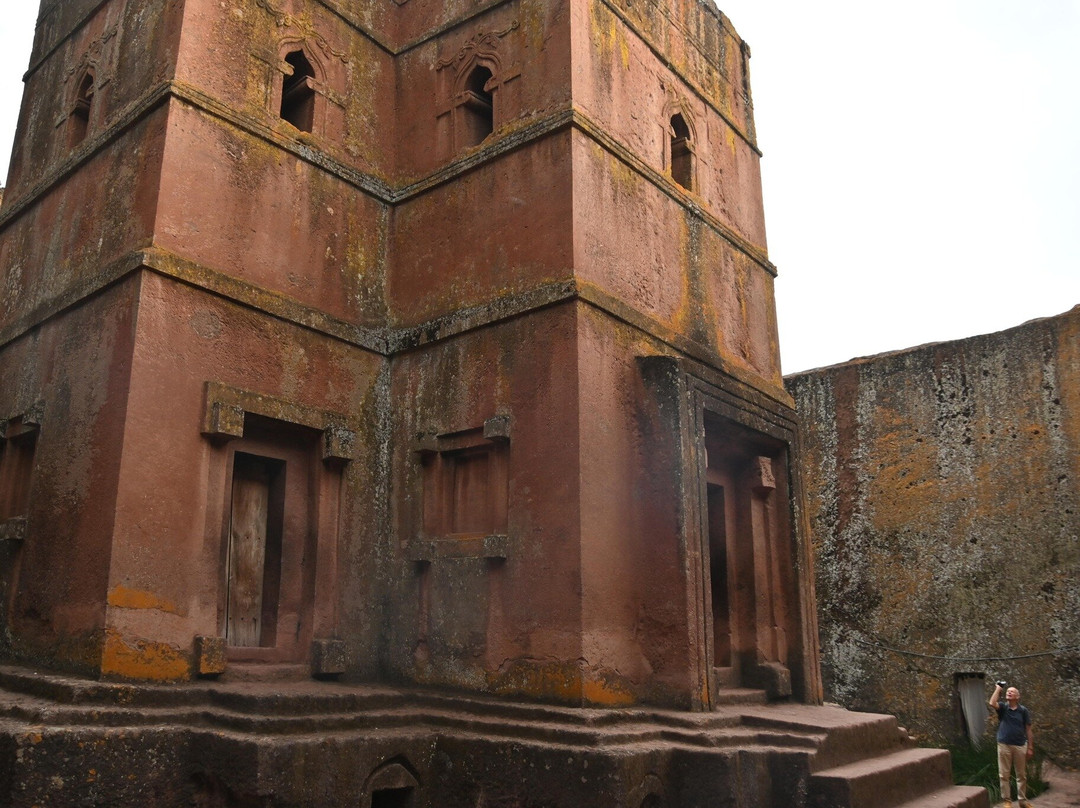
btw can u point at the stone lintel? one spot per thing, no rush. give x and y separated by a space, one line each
762 477
24 422
226 408
223 420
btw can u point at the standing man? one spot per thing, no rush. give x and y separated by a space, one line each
1015 740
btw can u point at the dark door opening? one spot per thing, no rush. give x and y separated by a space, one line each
392 798
718 577
747 556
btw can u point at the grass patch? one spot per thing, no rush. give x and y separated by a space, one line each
977 766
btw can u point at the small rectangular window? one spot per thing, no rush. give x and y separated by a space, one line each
478 106
682 165
465 486
16 470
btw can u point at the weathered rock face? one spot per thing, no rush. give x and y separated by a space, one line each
943 491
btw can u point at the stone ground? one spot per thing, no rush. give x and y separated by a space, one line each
1064 791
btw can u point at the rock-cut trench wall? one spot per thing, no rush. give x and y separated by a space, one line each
943 491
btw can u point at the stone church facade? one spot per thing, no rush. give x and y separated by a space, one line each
321 349
392 415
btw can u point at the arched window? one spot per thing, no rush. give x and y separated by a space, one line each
79 120
479 115
298 92
682 165
392 785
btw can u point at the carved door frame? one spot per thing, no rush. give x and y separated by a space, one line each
306 444
709 398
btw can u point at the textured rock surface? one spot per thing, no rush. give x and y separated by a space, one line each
943 491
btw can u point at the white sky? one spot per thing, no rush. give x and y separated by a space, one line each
921 169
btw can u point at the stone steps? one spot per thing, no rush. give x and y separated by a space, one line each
264 672
952 797
845 736
844 759
634 728
282 705
907 777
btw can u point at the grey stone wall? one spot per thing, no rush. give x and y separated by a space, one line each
943 493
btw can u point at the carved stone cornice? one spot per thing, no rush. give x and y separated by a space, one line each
483 45
284 19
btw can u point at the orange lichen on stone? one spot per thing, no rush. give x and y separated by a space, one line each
143 660
564 682
600 689
126 598
559 681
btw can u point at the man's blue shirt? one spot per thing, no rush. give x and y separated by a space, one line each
1012 724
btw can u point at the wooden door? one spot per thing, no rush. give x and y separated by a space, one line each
247 552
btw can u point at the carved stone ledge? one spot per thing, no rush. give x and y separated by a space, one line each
338 443
495 546
497 427
223 420
209 655
13 529
328 657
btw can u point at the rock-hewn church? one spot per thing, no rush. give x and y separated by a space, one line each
392 416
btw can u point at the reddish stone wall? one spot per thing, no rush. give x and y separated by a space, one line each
173 477
474 610
73 375
77 236
636 634
943 490
500 231
712 226
280 224
127 53
722 301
